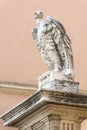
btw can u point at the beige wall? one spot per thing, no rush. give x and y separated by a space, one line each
20 60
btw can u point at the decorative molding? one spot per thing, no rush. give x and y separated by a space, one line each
47 110
22 88
83 91
17 88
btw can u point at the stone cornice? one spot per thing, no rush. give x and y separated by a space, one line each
17 88
41 98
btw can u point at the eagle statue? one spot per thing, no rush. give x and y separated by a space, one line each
54 45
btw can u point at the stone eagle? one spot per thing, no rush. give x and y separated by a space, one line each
54 44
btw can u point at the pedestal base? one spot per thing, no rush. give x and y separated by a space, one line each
51 81
62 86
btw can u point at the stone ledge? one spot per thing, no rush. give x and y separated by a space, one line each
41 98
22 88
17 88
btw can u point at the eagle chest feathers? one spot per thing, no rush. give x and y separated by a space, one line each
47 45
45 37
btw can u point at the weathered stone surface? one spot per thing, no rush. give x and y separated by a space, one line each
54 45
48 110
62 86
57 105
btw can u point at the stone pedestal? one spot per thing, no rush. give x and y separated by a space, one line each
57 82
62 86
48 110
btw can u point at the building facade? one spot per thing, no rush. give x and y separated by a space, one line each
20 61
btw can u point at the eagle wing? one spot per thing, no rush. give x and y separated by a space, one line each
58 26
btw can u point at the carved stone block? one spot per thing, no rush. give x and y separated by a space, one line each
48 110
62 86
49 82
